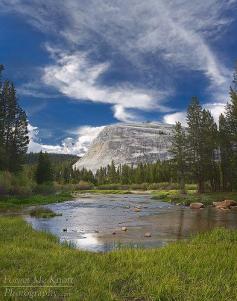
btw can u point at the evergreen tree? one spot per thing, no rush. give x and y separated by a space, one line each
202 145
179 150
195 142
231 129
14 138
44 173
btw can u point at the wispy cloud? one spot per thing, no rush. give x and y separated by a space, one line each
77 146
75 76
179 34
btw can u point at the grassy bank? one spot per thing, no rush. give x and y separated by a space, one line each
174 196
19 202
203 269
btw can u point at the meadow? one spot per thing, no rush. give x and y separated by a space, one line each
204 268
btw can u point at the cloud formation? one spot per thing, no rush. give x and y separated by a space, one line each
155 38
74 76
75 146
216 110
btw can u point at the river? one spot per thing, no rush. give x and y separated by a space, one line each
94 222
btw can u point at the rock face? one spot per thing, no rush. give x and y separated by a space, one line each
128 144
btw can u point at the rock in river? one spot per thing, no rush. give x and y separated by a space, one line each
196 205
226 204
147 234
124 228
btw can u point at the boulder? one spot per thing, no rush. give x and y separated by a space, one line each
124 228
114 233
65 230
226 204
230 203
147 234
136 209
196 205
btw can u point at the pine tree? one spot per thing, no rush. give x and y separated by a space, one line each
225 154
231 125
179 151
195 142
202 145
44 173
14 138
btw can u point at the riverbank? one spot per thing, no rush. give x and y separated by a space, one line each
8 203
13 203
201 269
174 196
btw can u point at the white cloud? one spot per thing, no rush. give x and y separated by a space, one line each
74 76
178 33
76 146
216 110
175 117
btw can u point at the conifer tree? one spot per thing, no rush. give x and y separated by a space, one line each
231 119
44 173
14 138
226 154
195 142
179 150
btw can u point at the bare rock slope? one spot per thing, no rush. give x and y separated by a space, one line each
128 143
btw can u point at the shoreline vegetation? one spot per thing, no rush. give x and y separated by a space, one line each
8 203
203 268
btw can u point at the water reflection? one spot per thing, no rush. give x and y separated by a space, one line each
95 223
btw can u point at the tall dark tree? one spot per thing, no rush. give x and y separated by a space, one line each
14 138
231 128
226 154
44 173
202 144
195 142
179 152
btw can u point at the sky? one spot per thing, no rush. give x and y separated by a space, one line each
81 65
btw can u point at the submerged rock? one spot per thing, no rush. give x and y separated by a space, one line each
196 205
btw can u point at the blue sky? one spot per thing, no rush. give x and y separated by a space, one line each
79 65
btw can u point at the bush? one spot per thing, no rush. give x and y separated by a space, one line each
113 187
45 189
41 212
5 182
143 186
83 185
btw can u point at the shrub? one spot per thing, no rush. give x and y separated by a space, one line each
44 189
83 185
41 212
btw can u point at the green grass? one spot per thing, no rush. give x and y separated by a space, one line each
192 196
202 269
41 212
10 203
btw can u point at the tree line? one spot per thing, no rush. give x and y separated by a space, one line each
205 153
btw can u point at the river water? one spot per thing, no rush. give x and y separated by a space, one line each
94 222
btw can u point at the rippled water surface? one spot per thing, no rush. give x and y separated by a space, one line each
95 222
